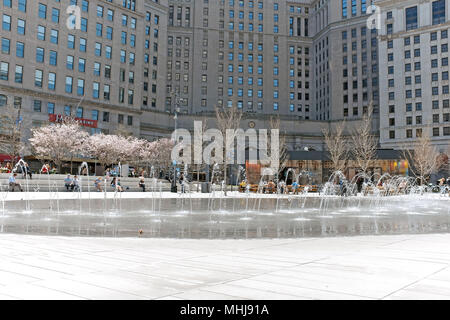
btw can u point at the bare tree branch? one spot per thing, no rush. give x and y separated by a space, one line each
12 132
228 118
283 155
423 158
337 147
364 142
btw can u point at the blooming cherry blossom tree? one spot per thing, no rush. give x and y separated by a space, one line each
58 142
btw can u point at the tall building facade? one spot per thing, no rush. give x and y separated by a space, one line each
414 77
100 64
310 60
255 55
345 60
132 62
272 57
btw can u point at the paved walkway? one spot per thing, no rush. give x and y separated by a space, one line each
369 267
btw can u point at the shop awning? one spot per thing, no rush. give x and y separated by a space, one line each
5 157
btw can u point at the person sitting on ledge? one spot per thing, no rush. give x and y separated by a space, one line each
142 183
68 183
75 184
98 184
242 186
119 185
115 183
295 187
271 187
13 184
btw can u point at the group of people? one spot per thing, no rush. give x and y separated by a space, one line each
444 184
23 169
6 167
269 186
72 184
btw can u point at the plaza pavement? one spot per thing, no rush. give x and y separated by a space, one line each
367 267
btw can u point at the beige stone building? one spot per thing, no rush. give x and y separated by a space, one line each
132 62
107 70
414 77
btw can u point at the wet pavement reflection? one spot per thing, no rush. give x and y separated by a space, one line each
340 219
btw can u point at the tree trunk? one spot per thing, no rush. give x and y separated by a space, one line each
225 178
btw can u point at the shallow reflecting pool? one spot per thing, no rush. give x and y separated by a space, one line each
229 218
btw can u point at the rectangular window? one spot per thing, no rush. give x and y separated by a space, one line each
69 62
98 49
80 88
411 18
53 58
85 5
69 82
37 104
84 24
99 29
42 12
21 26
99 11
55 15
51 81
95 90
81 64
40 55
108 51
5 45
109 33
20 50
80 112
67 110
438 12
41 33
54 36
71 41
94 114
96 69
19 74
38 78
22 5
6 22
108 71
106 92
50 108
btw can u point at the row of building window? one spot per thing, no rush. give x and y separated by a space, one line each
412 16
436 132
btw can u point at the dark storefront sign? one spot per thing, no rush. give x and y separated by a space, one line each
83 122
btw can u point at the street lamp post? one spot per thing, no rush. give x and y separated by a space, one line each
175 117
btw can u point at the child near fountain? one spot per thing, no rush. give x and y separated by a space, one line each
13 184
98 184
295 187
